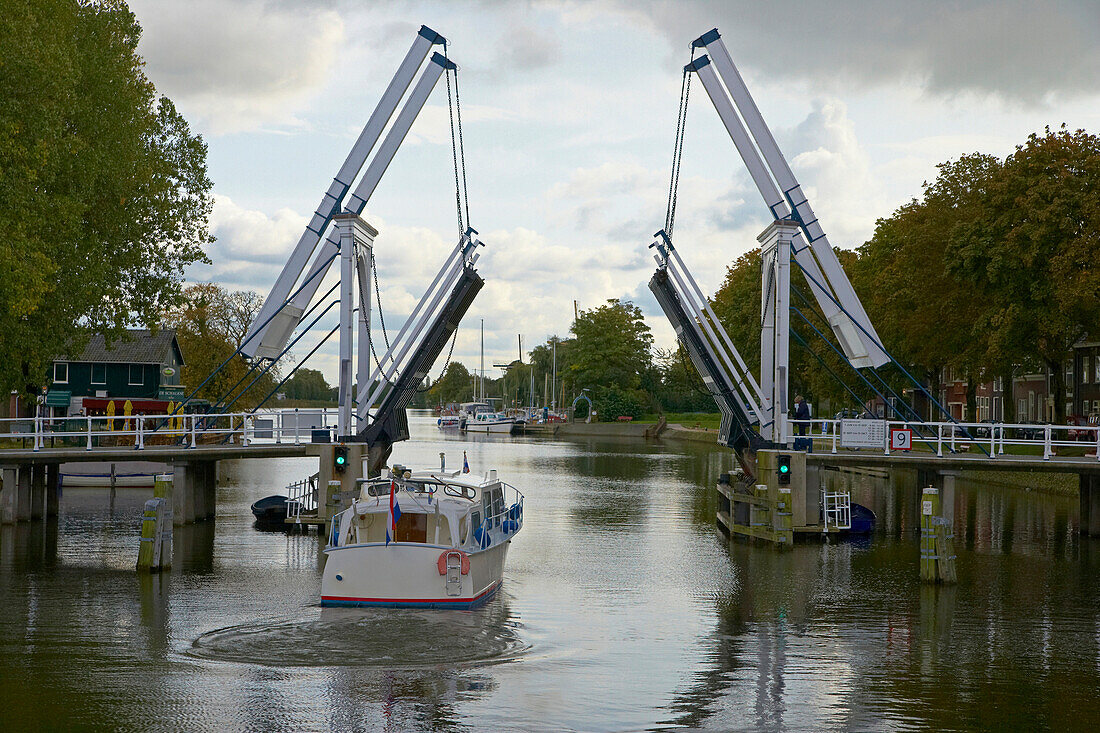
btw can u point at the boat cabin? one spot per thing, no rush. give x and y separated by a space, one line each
447 510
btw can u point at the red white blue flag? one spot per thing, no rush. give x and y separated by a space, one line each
395 514
465 463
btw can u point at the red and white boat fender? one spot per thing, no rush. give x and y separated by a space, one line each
443 556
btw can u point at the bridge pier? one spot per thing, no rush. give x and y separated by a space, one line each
1089 489
38 491
194 491
9 494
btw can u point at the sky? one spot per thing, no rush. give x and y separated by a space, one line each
569 114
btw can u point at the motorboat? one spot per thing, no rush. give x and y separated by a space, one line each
490 422
428 539
451 422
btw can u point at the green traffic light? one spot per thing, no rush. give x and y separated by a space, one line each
784 469
341 460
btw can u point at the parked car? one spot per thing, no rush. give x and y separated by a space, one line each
850 413
1091 421
983 430
1030 433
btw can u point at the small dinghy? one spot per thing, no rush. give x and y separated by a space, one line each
863 520
270 509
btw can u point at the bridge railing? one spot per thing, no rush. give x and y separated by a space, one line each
139 431
938 437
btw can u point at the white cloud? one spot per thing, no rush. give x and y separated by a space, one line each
238 65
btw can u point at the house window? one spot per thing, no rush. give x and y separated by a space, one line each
1069 372
1096 374
1084 369
61 372
137 375
99 374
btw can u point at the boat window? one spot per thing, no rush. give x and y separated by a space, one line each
475 519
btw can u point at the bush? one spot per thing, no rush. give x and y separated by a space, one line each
616 402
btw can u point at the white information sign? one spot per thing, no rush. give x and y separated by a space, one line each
862 433
901 439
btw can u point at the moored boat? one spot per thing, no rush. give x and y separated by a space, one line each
271 509
429 539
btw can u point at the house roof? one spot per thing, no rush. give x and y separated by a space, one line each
138 346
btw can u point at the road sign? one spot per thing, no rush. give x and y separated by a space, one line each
862 433
901 439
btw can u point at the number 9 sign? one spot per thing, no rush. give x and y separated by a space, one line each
901 439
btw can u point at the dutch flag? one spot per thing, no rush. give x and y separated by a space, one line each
395 514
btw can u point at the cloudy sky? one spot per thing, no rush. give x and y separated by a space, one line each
569 112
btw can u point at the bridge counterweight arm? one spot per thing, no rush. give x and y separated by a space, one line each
378 165
255 343
784 198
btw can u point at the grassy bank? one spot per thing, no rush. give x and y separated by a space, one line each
709 420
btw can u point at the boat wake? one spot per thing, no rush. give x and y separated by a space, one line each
364 637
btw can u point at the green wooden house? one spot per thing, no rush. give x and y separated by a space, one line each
143 367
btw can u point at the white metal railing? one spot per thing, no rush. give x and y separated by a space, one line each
301 497
837 509
293 426
990 438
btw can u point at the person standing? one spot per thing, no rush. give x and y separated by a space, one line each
801 412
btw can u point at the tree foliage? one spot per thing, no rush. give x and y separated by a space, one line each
1031 254
454 386
210 324
104 195
308 384
612 346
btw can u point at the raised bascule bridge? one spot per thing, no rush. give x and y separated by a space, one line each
783 489
373 390
786 485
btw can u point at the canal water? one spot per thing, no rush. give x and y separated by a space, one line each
622 609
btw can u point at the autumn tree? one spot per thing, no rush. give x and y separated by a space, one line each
210 324
925 316
1030 251
104 194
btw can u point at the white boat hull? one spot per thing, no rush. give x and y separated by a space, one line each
502 426
406 575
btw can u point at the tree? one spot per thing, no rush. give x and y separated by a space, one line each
920 309
453 386
209 328
307 384
104 195
1030 252
612 347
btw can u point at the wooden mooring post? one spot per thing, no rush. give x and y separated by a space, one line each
155 548
937 541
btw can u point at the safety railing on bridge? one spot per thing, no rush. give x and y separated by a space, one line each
940 438
140 431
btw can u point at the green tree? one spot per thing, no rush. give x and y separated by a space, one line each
210 324
453 386
307 384
921 310
104 195
1031 251
612 346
